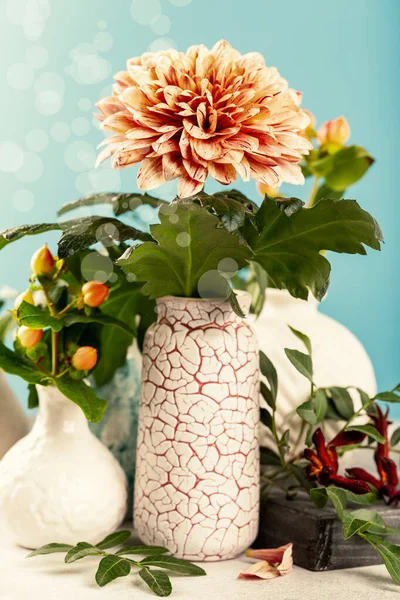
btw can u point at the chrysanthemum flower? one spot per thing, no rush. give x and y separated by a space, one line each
204 112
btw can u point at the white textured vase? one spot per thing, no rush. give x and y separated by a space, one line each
197 464
339 358
59 483
13 422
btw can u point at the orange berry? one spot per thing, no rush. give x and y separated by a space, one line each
42 261
25 296
84 358
29 337
94 293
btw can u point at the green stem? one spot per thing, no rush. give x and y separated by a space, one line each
67 308
54 352
39 366
51 306
314 190
276 438
297 442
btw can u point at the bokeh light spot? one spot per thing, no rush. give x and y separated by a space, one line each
60 132
161 44
20 76
31 169
37 140
96 266
183 239
80 156
228 267
11 157
85 104
23 200
180 2
80 126
213 285
145 11
103 41
161 25
37 57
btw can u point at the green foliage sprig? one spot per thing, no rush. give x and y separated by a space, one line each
359 487
59 325
118 564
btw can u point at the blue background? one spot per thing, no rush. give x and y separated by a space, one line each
344 57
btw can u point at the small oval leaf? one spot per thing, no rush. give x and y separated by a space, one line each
111 567
170 563
158 581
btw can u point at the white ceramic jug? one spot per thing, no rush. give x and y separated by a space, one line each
60 483
13 421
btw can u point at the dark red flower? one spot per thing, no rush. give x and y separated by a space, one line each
388 478
324 464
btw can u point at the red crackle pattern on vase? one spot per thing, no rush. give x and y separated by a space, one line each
197 469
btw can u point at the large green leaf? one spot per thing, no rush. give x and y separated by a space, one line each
120 202
84 396
348 166
15 233
230 207
158 581
289 246
88 231
36 318
14 364
185 250
97 317
111 567
78 234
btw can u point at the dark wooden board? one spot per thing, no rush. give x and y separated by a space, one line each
316 534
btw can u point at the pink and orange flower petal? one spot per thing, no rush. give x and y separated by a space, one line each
204 113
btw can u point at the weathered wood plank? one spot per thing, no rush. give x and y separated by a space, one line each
316 534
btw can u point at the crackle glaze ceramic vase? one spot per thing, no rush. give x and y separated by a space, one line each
197 464
118 428
13 422
339 358
59 483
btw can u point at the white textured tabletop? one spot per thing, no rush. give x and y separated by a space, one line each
48 578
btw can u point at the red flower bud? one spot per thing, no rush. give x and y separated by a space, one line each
29 337
94 293
42 261
25 296
389 467
353 485
358 473
84 358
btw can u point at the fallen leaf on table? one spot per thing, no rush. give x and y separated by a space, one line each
276 562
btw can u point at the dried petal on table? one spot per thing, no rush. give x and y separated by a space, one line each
277 561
